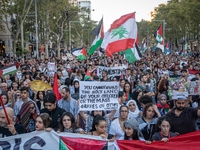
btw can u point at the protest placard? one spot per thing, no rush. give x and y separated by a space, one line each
178 88
112 71
51 69
194 87
98 95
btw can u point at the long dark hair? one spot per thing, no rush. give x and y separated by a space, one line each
145 110
73 123
98 118
92 113
130 90
39 93
6 97
160 120
134 135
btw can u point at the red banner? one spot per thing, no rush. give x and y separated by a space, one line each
81 144
183 142
193 71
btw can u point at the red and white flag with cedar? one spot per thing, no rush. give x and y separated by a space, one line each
121 35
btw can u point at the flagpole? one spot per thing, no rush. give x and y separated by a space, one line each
4 110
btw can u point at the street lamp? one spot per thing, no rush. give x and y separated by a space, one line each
70 33
163 29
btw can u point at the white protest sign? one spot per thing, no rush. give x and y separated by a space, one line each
98 95
51 70
69 56
112 71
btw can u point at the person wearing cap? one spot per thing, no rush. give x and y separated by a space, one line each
163 107
182 117
132 131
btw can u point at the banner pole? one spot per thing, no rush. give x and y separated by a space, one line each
4 110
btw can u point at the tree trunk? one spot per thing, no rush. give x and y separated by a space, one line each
58 47
47 38
22 42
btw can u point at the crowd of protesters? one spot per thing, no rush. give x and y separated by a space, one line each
145 111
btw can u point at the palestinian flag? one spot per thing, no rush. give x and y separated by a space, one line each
8 70
80 53
67 143
159 38
87 75
98 31
121 35
144 46
100 53
133 54
167 50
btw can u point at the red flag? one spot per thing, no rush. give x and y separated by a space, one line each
183 142
81 143
121 77
193 71
55 87
4 110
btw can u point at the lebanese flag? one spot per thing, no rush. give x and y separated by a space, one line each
133 54
121 35
55 87
80 53
98 31
159 38
67 143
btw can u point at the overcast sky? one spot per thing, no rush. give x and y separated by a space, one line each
113 9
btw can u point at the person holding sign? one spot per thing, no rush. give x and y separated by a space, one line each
7 129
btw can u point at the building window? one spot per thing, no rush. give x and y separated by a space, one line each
2 48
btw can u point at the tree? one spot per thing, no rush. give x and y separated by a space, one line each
20 9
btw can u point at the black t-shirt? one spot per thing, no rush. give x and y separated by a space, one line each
157 136
185 122
4 132
55 116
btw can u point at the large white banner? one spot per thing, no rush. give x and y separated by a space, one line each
98 95
112 71
42 140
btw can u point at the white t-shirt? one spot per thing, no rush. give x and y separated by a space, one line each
115 129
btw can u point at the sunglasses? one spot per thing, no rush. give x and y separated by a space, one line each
18 95
32 107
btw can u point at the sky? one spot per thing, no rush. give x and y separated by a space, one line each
114 9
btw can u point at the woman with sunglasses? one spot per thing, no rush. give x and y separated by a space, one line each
27 116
